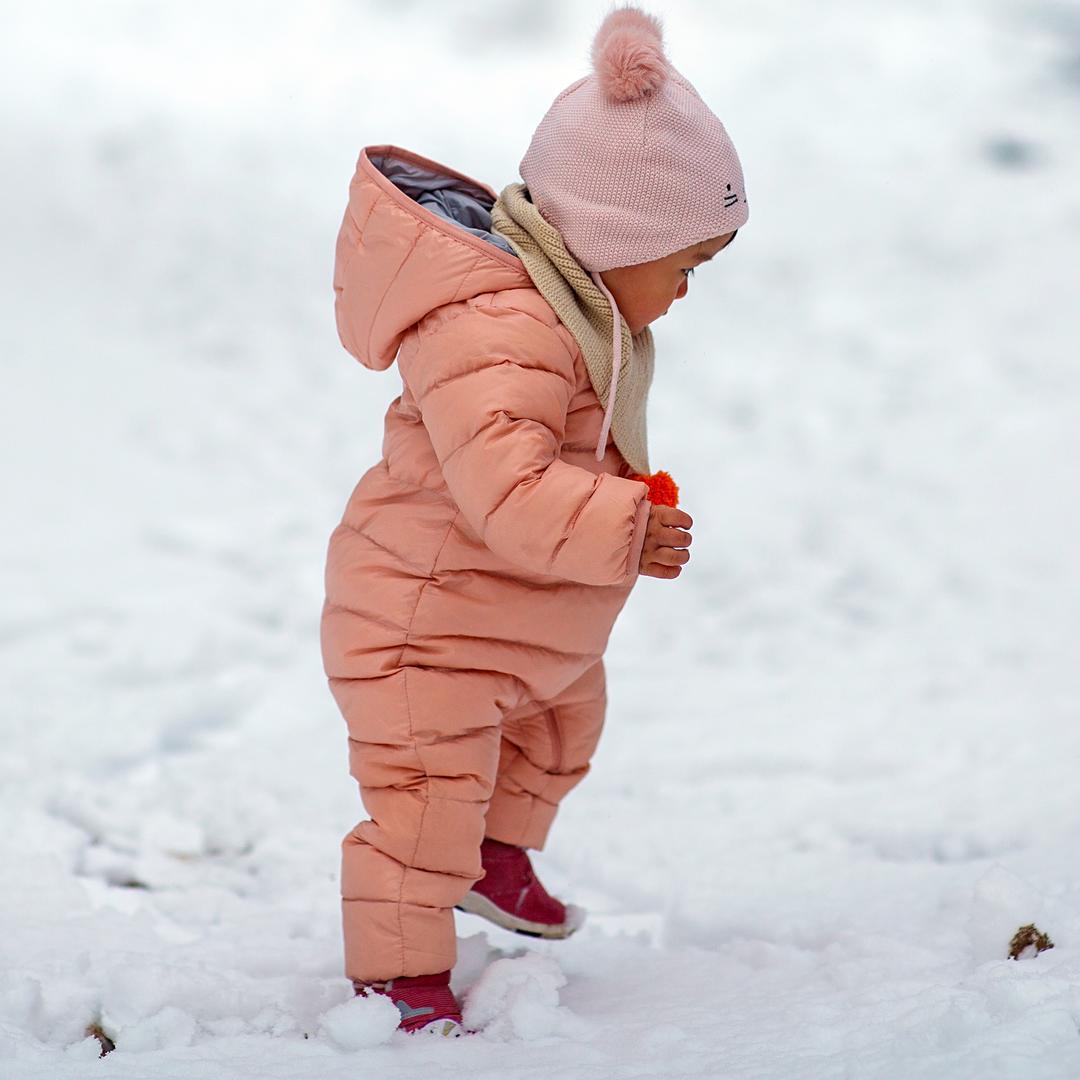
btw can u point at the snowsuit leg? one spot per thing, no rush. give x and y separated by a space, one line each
424 748
544 753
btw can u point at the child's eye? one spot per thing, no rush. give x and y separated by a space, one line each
687 271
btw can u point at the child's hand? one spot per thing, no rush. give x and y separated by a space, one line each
666 539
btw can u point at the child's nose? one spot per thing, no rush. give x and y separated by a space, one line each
682 290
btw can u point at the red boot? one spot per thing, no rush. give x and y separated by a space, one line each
426 1002
510 895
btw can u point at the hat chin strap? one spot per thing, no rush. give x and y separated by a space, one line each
616 363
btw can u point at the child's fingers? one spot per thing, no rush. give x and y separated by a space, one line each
657 570
676 538
669 556
672 515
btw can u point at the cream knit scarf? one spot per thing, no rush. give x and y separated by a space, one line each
588 315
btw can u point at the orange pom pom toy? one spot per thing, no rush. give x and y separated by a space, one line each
663 491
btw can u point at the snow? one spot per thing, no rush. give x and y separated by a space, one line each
518 998
361 1022
839 771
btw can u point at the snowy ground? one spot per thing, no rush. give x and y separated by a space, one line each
842 755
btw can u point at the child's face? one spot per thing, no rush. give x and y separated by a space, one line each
646 290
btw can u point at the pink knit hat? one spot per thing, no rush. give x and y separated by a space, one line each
629 164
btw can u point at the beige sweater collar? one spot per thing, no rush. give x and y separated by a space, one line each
588 314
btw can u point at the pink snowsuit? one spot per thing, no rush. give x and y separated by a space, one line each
473 582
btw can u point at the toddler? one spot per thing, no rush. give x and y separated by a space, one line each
479 566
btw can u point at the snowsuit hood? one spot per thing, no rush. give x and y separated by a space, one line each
427 242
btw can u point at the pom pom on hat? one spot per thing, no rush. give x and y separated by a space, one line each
628 54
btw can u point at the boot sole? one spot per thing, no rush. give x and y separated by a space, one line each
477 904
449 1029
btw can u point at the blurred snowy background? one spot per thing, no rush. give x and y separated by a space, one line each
841 761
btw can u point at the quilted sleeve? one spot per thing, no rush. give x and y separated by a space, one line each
493 386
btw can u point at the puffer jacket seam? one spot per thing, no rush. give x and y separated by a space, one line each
333 605
390 284
465 277
423 812
572 523
563 654
413 739
382 547
493 419
633 530
569 703
414 485
498 363
551 715
408 787
360 229
428 334
530 479
412 903
362 226
514 575
424 585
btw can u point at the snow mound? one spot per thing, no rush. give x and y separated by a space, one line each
360 1022
168 1027
518 998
